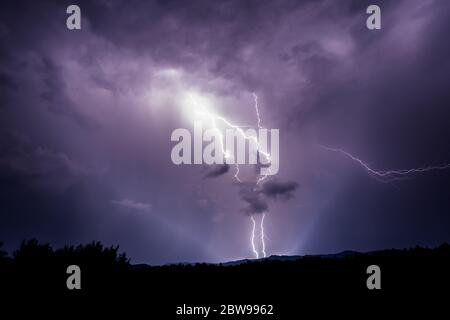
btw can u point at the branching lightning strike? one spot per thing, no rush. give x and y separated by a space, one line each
387 176
226 153
214 118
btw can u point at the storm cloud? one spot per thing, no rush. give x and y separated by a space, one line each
256 202
257 197
86 118
214 171
277 189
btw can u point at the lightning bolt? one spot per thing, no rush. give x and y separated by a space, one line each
262 237
261 179
252 237
214 118
225 152
255 97
387 176
263 243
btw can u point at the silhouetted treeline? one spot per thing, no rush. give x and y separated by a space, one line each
37 268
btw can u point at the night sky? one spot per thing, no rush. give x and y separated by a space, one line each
86 118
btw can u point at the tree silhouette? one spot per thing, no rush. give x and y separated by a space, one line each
31 252
3 254
36 267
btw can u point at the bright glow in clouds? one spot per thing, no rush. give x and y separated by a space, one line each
226 148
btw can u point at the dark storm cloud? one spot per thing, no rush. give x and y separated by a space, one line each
6 81
321 77
8 86
257 197
22 156
277 189
55 98
256 202
216 170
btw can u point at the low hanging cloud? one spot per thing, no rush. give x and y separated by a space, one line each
256 202
131 204
277 189
257 197
217 170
